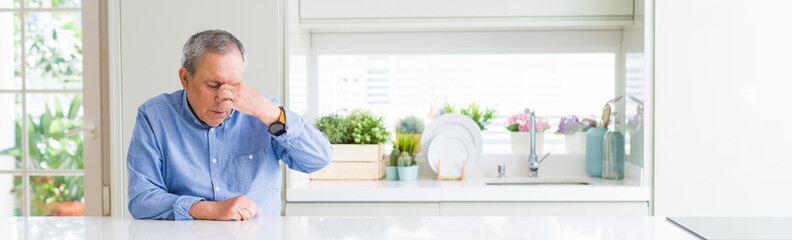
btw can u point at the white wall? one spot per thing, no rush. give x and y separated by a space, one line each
153 33
722 95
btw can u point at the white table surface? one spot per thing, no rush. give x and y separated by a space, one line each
734 228
346 228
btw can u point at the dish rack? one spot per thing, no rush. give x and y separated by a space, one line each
440 177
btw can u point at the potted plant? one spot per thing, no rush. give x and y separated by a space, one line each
49 149
357 141
407 168
411 125
519 124
574 134
392 170
482 117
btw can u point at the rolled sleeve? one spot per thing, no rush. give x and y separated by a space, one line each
294 127
303 147
182 206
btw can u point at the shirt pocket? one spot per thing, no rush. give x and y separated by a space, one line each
249 170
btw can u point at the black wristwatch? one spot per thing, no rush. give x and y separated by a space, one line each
279 127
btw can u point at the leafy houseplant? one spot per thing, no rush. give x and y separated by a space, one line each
410 124
357 143
367 128
482 117
360 127
519 126
51 149
335 127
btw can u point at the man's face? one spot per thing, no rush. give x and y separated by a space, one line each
212 71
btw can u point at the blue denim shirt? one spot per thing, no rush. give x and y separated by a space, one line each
175 160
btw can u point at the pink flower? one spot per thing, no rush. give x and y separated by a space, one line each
521 122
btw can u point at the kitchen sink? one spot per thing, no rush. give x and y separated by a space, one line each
539 181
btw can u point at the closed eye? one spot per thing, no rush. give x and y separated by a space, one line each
214 84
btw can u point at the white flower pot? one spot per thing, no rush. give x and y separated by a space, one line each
521 143
575 143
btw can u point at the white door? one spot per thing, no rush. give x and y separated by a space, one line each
50 133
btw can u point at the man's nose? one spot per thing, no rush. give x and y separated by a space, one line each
224 95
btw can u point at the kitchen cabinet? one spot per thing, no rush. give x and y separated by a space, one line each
469 209
363 209
544 209
409 14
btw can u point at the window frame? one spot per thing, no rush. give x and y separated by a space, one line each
91 91
521 42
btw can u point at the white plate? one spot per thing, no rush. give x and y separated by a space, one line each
453 122
452 148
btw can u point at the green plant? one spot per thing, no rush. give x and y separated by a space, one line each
410 124
394 156
406 160
335 127
406 143
360 127
481 117
367 128
50 148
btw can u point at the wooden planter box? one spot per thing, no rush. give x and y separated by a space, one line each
354 162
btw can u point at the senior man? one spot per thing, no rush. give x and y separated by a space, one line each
212 150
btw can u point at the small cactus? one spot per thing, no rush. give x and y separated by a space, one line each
394 157
405 160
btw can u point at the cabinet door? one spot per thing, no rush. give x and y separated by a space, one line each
362 209
390 9
544 209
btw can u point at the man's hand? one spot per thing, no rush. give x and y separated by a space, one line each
248 101
238 208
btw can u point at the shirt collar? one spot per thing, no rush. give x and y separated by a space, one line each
190 116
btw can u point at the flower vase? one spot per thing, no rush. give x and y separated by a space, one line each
73 208
575 143
521 142
594 137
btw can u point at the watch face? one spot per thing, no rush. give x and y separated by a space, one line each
277 129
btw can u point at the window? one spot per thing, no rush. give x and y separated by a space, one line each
41 96
555 73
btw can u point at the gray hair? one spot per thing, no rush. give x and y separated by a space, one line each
209 41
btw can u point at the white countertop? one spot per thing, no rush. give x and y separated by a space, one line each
430 190
346 228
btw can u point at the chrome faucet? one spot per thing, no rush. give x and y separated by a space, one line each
533 160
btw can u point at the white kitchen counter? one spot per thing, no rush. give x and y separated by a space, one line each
346 228
430 190
473 189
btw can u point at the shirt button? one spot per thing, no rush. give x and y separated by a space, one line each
217 188
250 156
211 129
214 160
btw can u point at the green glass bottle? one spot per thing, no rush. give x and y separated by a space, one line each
613 151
